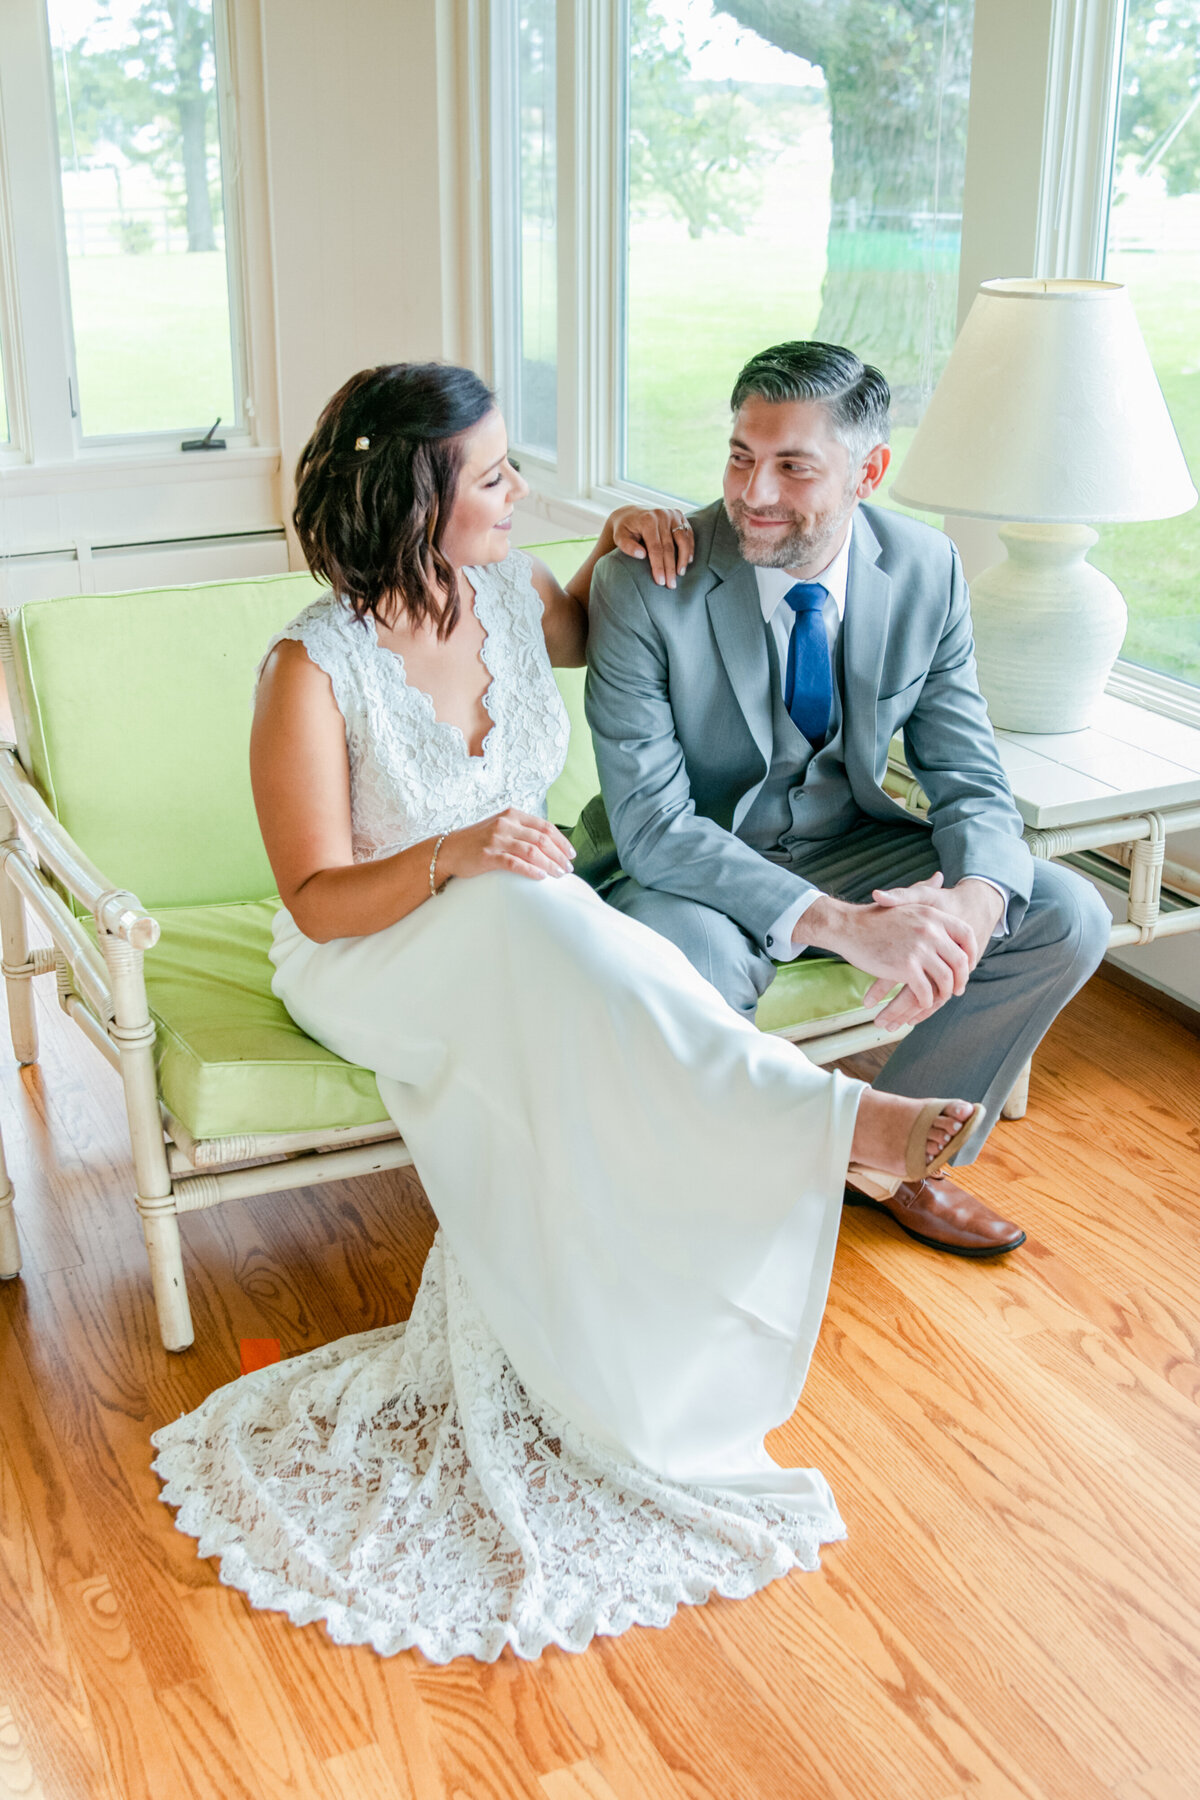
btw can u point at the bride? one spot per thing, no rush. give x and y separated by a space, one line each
638 1193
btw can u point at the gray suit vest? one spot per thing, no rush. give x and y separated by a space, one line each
772 816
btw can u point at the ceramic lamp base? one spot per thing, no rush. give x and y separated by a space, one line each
1048 628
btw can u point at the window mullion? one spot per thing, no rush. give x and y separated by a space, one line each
605 241
572 33
42 378
1080 137
505 207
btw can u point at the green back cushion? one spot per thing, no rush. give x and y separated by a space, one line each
137 721
136 724
579 780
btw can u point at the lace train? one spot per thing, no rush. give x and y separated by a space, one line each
402 1486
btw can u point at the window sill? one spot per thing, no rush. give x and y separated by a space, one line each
1156 693
97 469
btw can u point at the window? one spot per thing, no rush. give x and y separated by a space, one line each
1154 247
537 275
741 171
526 236
802 184
123 181
143 213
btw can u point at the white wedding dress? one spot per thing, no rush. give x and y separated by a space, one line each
638 1197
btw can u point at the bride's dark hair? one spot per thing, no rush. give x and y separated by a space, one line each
375 484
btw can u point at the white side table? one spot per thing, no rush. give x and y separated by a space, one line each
1121 787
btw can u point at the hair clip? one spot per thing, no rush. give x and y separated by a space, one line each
362 443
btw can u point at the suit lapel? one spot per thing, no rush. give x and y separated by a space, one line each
737 623
864 631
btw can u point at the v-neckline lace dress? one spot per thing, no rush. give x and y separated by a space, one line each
638 1198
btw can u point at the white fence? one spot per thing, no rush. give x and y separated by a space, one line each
128 231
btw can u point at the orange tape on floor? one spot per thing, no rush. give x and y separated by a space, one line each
256 1353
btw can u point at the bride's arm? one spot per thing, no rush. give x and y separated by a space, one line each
300 772
659 534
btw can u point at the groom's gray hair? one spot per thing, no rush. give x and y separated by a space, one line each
855 395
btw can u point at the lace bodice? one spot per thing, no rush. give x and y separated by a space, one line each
411 774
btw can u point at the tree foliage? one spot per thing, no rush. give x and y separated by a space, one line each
897 74
153 98
690 144
1160 92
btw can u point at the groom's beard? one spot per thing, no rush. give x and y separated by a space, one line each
804 544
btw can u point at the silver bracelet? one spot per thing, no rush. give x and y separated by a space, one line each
433 887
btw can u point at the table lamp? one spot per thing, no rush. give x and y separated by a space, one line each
1048 413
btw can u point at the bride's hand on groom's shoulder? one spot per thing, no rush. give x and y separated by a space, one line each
659 535
514 840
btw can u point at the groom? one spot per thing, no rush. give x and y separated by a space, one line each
742 724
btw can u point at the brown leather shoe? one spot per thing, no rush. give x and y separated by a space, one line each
943 1215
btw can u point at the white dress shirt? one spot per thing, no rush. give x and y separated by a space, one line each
773 584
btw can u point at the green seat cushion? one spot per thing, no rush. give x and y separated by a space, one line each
230 1060
819 988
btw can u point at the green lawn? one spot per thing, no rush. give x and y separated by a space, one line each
1157 565
152 345
153 354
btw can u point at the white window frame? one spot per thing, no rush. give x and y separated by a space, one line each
61 492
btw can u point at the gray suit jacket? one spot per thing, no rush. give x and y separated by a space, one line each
679 702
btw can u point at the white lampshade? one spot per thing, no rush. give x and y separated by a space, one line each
1048 410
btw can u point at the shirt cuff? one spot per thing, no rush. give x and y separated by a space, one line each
779 943
1005 893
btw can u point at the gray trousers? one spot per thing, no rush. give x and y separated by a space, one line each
973 1047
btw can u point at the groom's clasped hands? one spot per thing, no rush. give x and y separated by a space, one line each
926 936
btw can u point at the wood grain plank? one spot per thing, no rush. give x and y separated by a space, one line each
477 1756
43 1687
136 1743
258 1703
1158 1784
17 1779
523 1702
317 1680
215 1763
400 1722
362 1773
39 1467
616 1740
579 1782
1045 1544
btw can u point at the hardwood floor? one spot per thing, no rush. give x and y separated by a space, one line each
1015 1448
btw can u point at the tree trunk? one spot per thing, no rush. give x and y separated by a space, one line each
193 111
897 80
191 30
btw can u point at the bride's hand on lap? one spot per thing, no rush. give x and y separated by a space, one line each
660 535
517 841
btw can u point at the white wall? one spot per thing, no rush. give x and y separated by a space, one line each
360 136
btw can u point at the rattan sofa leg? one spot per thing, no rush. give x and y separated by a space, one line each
160 1229
1017 1104
132 1031
18 972
10 1244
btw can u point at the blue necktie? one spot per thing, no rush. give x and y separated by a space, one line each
808 684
